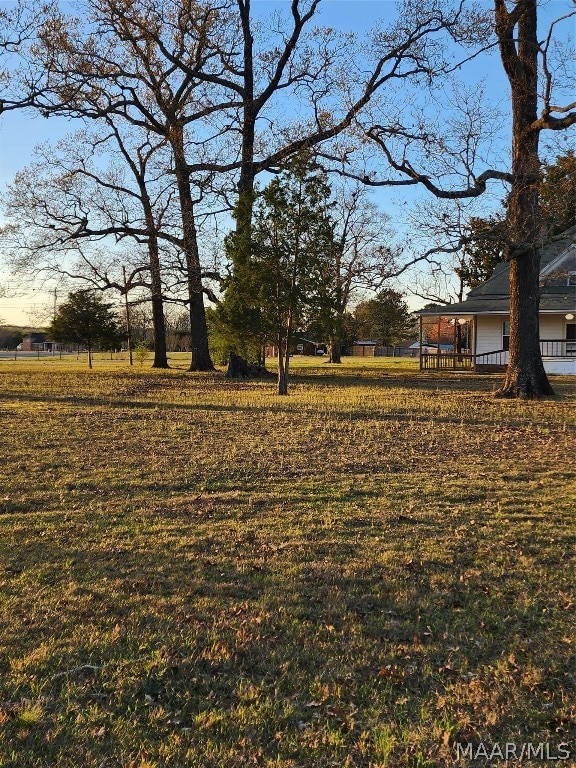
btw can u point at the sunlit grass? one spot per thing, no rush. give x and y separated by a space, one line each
197 572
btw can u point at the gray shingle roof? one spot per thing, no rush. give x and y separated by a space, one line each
493 296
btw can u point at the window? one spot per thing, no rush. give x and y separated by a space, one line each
506 335
571 278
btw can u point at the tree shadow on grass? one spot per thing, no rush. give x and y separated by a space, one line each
287 636
352 414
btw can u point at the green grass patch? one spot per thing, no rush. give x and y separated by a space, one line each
197 572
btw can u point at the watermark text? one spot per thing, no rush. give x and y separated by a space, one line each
511 751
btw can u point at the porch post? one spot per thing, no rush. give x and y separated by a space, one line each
473 331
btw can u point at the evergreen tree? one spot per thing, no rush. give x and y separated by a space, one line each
285 282
385 319
483 251
558 193
488 237
86 319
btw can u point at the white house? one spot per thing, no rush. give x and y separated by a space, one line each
485 315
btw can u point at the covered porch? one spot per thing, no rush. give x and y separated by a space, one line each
447 341
479 342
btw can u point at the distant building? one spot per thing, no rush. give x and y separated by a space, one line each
408 348
35 342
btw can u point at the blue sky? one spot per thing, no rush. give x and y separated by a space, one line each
20 132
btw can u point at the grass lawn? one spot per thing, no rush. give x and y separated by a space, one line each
198 573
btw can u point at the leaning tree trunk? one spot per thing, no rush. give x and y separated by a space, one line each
525 375
201 360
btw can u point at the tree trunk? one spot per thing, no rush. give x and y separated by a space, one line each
283 359
128 320
158 322
335 355
201 360
284 348
335 351
200 352
282 379
525 375
160 351
249 111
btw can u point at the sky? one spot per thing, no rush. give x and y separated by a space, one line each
20 132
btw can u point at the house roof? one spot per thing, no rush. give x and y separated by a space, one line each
496 305
493 296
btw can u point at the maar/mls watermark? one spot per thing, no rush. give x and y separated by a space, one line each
540 751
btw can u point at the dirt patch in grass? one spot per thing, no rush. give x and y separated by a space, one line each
196 572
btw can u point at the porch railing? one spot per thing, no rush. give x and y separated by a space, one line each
558 347
498 358
447 361
550 348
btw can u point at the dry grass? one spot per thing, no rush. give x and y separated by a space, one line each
196 572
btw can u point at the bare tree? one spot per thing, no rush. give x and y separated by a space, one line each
117 68
315 68
516 29
71 199
363 259
19 26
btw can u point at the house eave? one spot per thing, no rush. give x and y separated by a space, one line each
461 310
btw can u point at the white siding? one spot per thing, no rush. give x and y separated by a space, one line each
552 327
489 330
489 339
